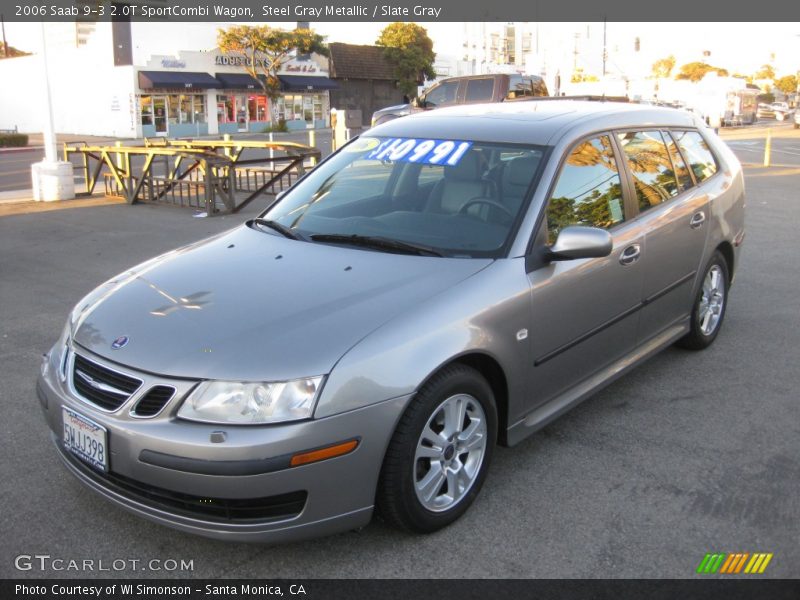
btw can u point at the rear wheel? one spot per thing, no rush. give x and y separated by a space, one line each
440 452
709 307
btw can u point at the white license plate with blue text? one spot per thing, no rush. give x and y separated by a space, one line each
86 439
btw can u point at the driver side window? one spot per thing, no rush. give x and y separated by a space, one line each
441 95
589 189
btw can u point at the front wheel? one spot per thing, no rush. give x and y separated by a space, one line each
440 452
709 307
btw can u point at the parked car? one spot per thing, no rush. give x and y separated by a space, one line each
448 282
466 90
777 110
765 111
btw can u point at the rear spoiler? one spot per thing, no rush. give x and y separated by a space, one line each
586 97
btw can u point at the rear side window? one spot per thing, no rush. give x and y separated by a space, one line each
697 152
589 190
526 86
681 170
651 167
479 90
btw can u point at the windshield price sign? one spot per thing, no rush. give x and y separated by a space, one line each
430 152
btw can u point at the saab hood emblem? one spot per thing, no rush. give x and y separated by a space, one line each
120 342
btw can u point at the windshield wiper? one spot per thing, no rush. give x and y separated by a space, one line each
282 229
376 242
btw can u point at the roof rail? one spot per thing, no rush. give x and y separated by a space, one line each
584 97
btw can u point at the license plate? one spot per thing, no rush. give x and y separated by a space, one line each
86 439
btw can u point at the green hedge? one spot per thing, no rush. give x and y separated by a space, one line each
8 140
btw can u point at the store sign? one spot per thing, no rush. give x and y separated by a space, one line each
227 60
171 63
300 68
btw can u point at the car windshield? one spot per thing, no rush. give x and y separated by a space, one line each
450 197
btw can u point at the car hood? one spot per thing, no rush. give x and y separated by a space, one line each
394 109
249 305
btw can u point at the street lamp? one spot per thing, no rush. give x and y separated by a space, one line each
52 179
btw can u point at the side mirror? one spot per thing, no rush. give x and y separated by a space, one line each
577 241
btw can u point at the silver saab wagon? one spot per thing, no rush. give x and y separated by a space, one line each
447 282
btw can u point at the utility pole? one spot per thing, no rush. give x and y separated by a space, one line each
52 179
5 43
605 51
575 53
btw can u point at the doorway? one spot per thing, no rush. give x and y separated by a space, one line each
160 115
241 112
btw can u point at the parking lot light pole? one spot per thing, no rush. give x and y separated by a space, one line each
52 179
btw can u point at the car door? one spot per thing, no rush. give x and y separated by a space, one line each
674 214
584 312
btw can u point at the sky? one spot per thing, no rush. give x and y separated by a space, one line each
738 47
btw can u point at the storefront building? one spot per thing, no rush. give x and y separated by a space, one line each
201 93
185 93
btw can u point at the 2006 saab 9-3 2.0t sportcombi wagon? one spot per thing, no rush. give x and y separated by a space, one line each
446 282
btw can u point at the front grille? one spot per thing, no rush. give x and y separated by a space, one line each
101 386
154 401
224 510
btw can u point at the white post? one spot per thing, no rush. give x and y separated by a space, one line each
52 179
313 143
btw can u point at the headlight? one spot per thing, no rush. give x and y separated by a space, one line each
251 403
58 354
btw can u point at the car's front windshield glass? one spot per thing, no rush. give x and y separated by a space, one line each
457 197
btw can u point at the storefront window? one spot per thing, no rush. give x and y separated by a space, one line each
257 108
318 115
146 109
199 109
225 112
173 105
305 107
186 112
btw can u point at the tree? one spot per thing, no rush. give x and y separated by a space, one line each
787 84
263 50
662 68
12 52
578 76
409 49
695 71
765 72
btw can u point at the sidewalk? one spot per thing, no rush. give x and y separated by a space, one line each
36 140
18 202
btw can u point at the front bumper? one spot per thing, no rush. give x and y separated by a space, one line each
193 495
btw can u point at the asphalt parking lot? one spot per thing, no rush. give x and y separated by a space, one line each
690 453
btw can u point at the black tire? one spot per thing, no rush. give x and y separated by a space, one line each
697 339
397 500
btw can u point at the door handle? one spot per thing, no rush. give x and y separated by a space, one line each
698 219
630 255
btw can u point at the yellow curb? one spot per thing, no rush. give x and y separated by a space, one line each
30 206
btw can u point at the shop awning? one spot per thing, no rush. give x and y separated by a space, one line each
238 81
150 80
300 83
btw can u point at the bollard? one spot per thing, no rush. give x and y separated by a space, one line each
271 151
768 148
312 143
